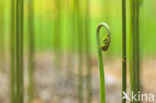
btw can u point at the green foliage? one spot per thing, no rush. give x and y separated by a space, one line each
57 30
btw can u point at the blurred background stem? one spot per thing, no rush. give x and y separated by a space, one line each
31 51
19 52
13 55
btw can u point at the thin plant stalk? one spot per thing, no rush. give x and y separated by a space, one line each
134 48
124 60
31 53
57 34
79 43
71 36
2 36
13 55
130 48
19 51
88 53
102 46
138 44
39 23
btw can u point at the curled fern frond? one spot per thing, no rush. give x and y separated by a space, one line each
105 39
102 46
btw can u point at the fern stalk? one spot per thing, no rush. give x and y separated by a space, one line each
102 46
19 51
88 53
124 61
134 48
13 55
31 53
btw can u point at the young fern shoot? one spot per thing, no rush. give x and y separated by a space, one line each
102 46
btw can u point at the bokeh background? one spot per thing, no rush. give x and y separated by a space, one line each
64 40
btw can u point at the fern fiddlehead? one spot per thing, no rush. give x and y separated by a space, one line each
105 39
102 46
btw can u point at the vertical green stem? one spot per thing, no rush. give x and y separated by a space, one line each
131 47
2 35
80 56
134 53
88 53
137 46
12 43
31 53
19 51
57 34
71 36
100 61
124 61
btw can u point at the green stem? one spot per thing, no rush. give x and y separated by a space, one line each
124 61
131 47
57 34
12 43
137 46
31 53
80 44
19 51
134 53
100 61
2 35
71 38
88 53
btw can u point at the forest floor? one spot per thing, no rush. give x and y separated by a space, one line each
61 85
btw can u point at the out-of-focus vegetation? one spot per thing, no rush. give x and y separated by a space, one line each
45 14
51 45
